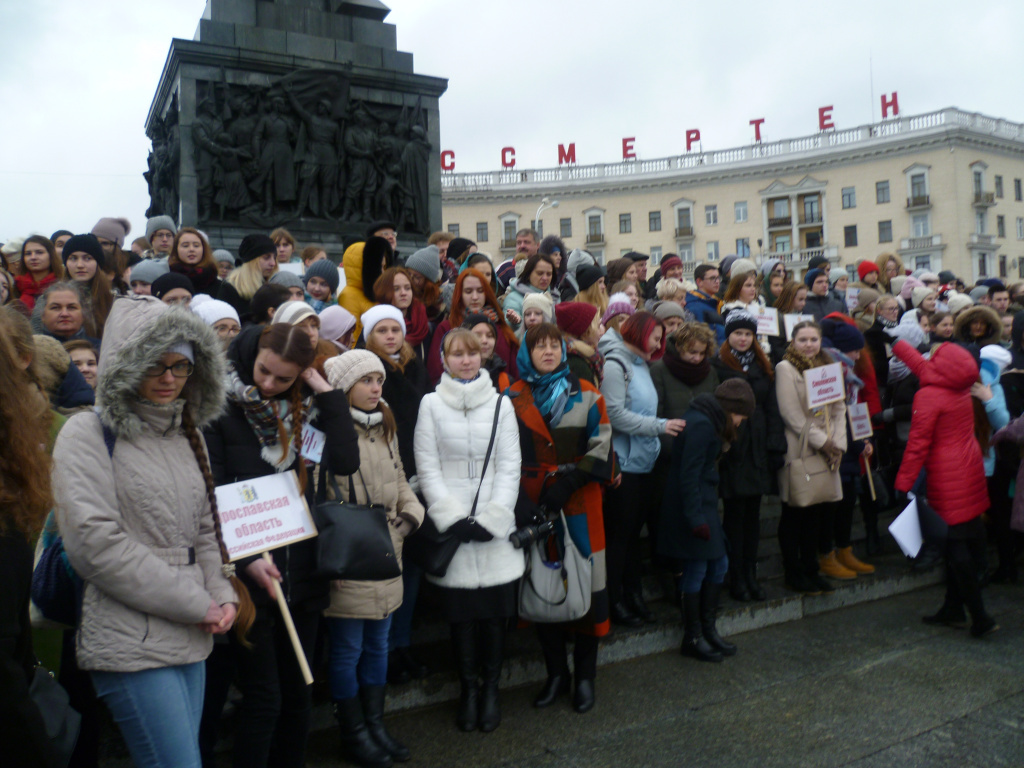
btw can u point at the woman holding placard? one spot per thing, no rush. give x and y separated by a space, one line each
136 507
816 441
359 616
274 396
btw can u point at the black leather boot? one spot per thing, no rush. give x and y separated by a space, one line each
739 590
357 745
753 587
464 639
492 648
638 606
694 643
624 617
556 685
583 698
372 697
709 596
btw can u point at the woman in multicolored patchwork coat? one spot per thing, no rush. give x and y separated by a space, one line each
566 442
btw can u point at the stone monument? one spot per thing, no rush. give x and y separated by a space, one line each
295 113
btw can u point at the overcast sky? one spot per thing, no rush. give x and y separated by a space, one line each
77 79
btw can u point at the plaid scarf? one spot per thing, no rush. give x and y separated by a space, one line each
267 418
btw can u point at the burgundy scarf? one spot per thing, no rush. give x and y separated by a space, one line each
202 277
416 325
689 373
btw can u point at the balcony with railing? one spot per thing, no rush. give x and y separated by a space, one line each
595 238
923 243
684 233
508 244
983 241
984 199
800 258
780 221
919 202
810 219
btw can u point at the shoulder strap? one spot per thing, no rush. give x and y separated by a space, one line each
487 457
327 477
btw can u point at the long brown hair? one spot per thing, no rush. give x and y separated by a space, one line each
787 296
246 610
101 299
736 283
56 265
458 311
26 495
389 424
291 344
206 262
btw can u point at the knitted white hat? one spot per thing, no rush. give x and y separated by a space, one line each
344 370
294 312
375 314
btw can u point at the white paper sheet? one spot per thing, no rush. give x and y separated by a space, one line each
906 529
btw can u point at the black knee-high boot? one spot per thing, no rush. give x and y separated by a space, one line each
492 649
465 642
709 596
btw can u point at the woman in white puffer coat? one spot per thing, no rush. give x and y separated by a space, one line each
479 588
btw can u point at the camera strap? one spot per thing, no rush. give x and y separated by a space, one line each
487 457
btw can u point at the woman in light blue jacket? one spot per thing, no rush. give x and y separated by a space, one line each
632 404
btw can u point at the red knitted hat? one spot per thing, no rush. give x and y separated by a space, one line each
865 267
574 317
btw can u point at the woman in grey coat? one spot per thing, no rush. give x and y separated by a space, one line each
137 509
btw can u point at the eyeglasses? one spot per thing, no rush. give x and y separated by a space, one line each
180 370
714 278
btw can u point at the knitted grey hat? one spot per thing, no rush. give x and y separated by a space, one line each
148 271
426 261
287 279
160 222
326 270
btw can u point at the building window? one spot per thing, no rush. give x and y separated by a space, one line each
711 215
565 228
920 225
654 221
508 233
849 197
481 231
881 192
1020 228
624 251
1002 265
850 235
918 186
1000 226
885 231
684 221
812 209
625 223
923 262
999 186
983 265
453 229
979 180
1018 193
594 225
713 250
741 212
656 254
743 247
782 244
686 252
979 223
780 208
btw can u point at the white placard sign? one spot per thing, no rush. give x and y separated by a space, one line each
790 320
824 385
313 441
768 322
262 514
852 295
860 421
296 268
906 529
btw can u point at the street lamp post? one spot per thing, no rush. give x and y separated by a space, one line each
544 203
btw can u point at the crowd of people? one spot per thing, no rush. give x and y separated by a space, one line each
548 396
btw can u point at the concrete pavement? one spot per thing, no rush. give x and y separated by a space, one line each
867 686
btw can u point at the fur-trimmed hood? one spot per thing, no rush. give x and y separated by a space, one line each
138 331
962 325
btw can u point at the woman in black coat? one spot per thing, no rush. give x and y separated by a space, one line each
273 391
748 470
384 329
689 531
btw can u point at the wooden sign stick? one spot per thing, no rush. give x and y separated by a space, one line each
300 655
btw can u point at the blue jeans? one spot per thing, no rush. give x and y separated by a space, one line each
359 654
695 571
401 620
158 712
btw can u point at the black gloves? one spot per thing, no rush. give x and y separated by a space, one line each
468 529
556 496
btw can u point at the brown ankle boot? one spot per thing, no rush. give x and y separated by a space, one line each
830 567
846 558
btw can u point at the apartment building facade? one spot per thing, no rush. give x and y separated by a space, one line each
943 190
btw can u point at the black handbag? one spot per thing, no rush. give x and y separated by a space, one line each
354 541
61 722
432 550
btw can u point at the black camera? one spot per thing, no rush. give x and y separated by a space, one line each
528 534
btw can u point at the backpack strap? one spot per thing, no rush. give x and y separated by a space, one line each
109 438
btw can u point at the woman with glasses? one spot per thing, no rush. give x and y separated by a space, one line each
136 507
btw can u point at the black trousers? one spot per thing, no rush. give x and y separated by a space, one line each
274 713
626 509
741 521
553 638
798 538
965 554
837 520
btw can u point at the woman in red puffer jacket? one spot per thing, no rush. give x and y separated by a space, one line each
956 486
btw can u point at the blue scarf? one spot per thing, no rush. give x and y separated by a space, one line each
550 390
